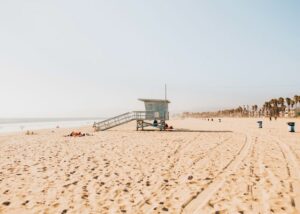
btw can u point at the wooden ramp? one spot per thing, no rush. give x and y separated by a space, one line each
124 118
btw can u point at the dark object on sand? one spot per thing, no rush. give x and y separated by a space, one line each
78 134
29 133
155 123
260 124
167 127
220 120
291 126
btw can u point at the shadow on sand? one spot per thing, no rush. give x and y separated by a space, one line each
177 130
181 130
188 130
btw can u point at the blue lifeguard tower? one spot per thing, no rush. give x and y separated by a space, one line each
155 114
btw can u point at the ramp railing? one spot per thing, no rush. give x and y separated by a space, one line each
124 118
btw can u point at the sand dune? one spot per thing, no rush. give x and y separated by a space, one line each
247 170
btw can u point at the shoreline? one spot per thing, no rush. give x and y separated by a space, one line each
34 126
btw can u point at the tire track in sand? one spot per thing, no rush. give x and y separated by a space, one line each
294 171
176 153
147 208
264 207
195 205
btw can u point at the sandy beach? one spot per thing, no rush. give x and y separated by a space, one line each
227 167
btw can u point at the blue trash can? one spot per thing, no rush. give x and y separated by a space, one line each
260 124
291 126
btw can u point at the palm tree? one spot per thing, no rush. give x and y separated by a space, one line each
267 108
270 108
260 112
288 102
292 103
297 100
281 101
239 111
283 107
274 103
254 108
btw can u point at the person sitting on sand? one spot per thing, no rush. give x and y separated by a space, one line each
76 134
167 127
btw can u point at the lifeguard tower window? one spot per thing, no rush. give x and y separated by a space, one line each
150 107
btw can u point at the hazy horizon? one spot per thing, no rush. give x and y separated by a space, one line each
96 58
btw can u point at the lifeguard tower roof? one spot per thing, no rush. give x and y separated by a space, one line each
154 100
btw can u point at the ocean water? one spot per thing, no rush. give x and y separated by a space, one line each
24 124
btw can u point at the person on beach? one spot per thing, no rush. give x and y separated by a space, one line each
78 134
155 123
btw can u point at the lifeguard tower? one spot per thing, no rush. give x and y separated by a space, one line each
155 114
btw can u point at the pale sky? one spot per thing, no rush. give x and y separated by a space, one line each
76 58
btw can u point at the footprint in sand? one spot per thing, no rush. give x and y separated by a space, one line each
56 205
64 211
26 202
165 209
6 203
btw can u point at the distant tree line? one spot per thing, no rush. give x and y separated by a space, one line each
281 107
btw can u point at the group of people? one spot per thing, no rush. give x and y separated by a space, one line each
274 118
167 127
77 134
